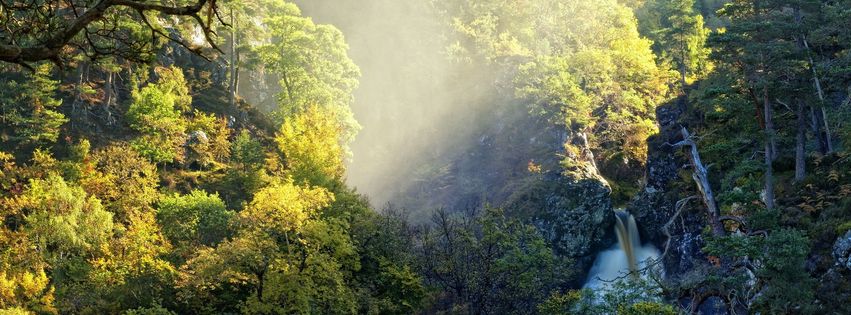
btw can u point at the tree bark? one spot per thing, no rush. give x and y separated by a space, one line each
816 127
701 178
109 89
801 143
768 115
683 74
770 147
234 59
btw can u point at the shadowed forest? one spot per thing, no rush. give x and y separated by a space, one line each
425 157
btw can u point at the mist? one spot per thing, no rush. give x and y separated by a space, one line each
417 107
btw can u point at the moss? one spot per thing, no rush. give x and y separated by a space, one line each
623 192
844 227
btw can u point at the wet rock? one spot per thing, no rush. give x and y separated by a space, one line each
713 305
842 251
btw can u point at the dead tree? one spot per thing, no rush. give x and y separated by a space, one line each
701 178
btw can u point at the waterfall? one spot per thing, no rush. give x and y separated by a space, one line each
628 238
627 257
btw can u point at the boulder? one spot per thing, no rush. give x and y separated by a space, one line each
573 214
842 251
713 305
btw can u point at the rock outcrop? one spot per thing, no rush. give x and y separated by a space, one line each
574 214
656 205
842 251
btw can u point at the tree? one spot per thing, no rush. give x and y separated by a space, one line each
122 179
582 66
246 152
755 48
386 281
64 219
156 113
44 31
208 139
311 144
685 38
291 260
246 174
312 63
489 263
28 105
193 220
240 52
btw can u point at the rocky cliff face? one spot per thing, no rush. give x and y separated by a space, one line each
573 213
679 239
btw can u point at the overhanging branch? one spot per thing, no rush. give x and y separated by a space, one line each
53 46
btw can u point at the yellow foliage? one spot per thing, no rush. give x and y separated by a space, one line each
311 144
285 207
26 288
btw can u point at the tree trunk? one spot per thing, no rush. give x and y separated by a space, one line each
261 276
683 74
770 149
233 62
701 178
823 136
817 116
768 115
820 93
800 143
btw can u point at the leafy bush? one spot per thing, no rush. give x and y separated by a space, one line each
194 219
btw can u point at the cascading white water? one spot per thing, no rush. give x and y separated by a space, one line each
626 257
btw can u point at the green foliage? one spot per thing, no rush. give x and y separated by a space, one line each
100 229
194 219
678 33
386 281
155 310
246 174
626 296
246 152
24 291
582 66
63 218
29 109
92 231
562 303
780 256
121 178
156 113
292 260
490 263
648 308
312 63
